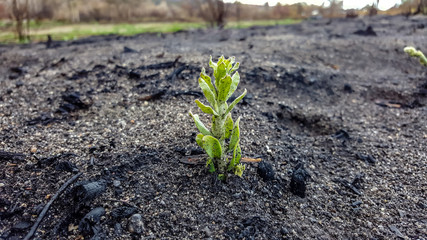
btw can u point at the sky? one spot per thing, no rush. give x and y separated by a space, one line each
347 4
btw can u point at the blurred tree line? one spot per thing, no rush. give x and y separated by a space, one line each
215 12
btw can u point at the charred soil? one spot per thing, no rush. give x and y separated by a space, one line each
337 114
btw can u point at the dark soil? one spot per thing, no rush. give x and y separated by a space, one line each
336 110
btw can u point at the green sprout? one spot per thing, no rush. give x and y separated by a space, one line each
416 53
223 138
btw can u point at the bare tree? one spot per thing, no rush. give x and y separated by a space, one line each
421 7
335 8
213 12
20 12
238 10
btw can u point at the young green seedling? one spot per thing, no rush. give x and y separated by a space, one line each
416 53
223 138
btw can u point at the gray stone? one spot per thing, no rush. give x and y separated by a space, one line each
116 183
136 225
207 231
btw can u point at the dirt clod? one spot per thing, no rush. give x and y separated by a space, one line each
298 183
265 171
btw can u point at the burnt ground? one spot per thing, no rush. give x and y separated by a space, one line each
334 107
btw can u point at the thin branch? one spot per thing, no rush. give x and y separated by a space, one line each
46 208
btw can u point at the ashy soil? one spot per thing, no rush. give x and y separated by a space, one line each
335 109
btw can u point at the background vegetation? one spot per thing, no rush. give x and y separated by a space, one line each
34 20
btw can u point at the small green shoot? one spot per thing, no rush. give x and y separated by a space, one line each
416 53
222 141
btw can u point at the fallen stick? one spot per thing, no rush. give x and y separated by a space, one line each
46 208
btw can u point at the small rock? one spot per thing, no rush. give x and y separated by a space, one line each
265 171
348 88
136 224
284 231
33 149
298 180
366 158
341 134
356 210
118 229
396 231
207 231
21 226
19 84
116 183
129 50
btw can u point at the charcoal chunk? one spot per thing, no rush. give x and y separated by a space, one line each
298 180
67 167
122 212
89 223
265 171
85 193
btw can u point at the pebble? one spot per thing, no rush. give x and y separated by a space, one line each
268 149
136 224
116 183
396 231
284 231
33 149
21 226
401 213
207 231
118 229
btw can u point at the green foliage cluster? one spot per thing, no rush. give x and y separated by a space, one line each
416 53
223 138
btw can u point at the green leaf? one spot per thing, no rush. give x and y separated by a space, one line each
221 177
237 155
416 53
230 62
224 88
235 102
211 165
235 79
205 109
210 96
212 147
219 74
208 80
228 126
220 59
200 125
212 64
238 170
236 66
199 139
235 135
